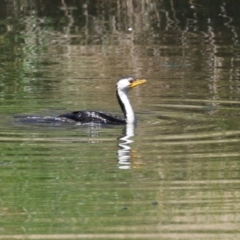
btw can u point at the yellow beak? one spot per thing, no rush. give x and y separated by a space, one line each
137 82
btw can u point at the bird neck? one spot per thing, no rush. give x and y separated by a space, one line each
125 105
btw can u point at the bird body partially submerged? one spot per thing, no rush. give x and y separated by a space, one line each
122 88
91 117
98 117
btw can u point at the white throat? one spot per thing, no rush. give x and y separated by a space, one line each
130 116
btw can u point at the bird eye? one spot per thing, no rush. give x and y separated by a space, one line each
131 81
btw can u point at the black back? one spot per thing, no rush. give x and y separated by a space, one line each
93 117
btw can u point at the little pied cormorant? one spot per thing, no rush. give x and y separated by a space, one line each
122 88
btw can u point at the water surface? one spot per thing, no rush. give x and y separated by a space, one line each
176 176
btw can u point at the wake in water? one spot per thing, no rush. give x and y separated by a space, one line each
51 121
20 119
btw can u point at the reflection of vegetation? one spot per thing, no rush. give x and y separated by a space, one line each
42 38
146 15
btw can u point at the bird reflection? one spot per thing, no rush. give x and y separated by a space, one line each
124 151
125 154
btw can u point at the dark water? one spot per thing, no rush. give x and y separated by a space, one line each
176 176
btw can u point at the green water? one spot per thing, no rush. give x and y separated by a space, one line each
177 178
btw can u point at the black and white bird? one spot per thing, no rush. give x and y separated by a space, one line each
122 88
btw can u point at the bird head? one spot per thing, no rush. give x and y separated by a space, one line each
127 83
